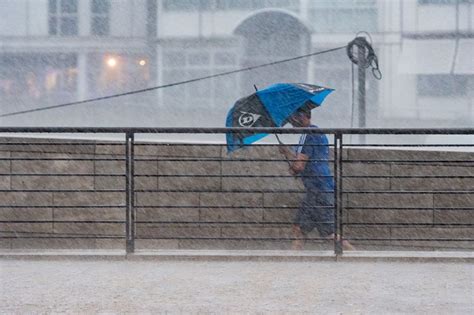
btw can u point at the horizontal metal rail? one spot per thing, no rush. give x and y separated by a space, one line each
270 130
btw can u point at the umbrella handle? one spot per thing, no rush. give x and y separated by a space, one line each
281 143
278 138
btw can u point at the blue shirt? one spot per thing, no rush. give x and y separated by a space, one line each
316 174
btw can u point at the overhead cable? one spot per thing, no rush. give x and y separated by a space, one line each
171 84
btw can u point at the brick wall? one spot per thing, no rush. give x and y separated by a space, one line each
212 210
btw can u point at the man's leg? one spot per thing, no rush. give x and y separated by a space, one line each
298 242
345 243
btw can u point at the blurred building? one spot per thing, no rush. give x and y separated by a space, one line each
56 51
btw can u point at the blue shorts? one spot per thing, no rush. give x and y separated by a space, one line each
316 211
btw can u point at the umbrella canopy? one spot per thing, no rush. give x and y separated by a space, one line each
270 107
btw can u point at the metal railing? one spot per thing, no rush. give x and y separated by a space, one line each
392 198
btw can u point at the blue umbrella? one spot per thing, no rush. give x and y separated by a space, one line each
270 107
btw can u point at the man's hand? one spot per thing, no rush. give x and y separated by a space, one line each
286 152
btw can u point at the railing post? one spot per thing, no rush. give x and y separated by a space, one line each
129 191
362 64
338 202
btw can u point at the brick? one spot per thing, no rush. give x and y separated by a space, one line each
280 215
406 155
5 182
190 183
235 244
454 200
177 231
5 244
364 169
145 168
433 245
371 232
454 216
71 199
389 216
109 182
26 214
258 183
179 150
68 146
146 183
425 170
51 166
282 199
52 243
26 198
109 167
230 199
169 199
146 148
256 232
156 244
52 182
5 164
365 184
254 152
432 184
189 168
25 228
432 232
89 214
255 168
110 244
90 229
390 200
231 215
167 214
115 148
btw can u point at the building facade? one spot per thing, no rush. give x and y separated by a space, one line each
59 51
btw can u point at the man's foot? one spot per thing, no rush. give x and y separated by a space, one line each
347 246
345 243
297 245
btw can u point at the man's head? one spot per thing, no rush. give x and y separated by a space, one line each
301 118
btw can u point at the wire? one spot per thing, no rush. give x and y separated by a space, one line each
172 84
352 99
369 60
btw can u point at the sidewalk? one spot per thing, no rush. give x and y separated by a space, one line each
140 284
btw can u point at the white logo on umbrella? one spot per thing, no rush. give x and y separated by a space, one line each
248 119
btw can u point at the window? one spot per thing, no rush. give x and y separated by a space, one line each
63 17
180 65
100 17
442 85
343 15
29 78
255 4
187 5
194 5
444 1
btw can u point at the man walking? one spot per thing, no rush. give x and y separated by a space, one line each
310 161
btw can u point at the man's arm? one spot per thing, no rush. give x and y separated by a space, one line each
297 160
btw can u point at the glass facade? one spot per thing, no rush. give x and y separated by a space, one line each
30 78
444 1
63 17
100 10
180 65
192 5
343 15
444 85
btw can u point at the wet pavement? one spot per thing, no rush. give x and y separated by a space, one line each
153 286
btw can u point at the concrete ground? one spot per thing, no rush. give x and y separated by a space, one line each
120 286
